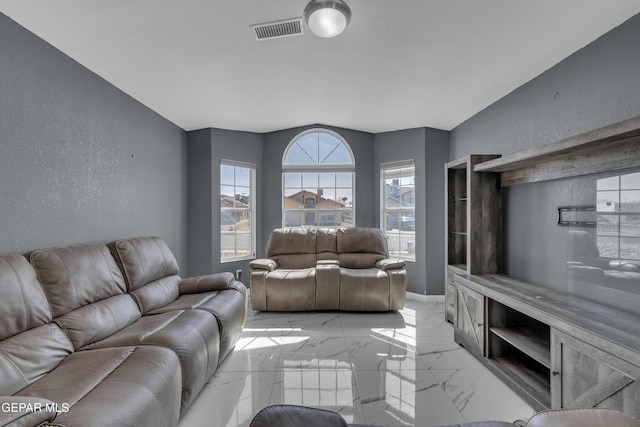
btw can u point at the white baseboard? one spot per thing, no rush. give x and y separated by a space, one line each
425 298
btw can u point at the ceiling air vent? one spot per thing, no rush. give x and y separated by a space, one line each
278 29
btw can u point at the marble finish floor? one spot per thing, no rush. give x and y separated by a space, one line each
382 369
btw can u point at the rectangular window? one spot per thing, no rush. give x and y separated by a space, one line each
398 208
618 216
237 211
318 199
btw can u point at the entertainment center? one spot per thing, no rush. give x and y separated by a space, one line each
556 349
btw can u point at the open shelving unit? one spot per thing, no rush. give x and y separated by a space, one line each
473 210
520 347
557 350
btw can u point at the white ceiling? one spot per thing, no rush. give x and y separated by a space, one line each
400 64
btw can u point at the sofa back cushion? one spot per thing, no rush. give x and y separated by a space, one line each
360 247
150 270
75 276
86 291
143 260
326 244
23 303
292 247
30 345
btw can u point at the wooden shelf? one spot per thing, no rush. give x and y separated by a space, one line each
534 383
531 341
609 148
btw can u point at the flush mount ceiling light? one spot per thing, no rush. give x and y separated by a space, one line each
327 18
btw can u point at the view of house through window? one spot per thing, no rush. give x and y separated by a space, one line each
398 210
618 216
318 181
237 210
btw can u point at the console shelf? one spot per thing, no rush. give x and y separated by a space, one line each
533 342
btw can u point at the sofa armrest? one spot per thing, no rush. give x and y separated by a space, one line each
328 262
390 264
263 264
211 282
24 411
295 416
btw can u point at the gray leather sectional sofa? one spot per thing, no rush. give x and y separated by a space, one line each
327 269
110 334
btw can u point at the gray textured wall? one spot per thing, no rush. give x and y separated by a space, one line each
596 86
80 161
429 149
206 149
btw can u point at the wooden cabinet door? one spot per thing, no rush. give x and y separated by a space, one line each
469 326
450 298
584 376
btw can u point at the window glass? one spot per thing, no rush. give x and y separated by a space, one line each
618 216
398 208
318 180
237 211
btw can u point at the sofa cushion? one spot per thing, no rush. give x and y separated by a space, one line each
124 386
229 308
149 269
157 293
75 276
361 240
29 356
99 320
143 260
292 247
360 247
326 246
192 334
364 289
22 298
291 290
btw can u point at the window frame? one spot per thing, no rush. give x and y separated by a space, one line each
385 173
251 209
618 213
319 169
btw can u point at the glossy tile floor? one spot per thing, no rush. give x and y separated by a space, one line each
383 369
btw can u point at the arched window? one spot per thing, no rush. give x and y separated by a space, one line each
318 175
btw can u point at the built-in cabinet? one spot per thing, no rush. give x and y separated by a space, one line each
556 350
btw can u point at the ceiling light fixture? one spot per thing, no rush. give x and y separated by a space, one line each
327 18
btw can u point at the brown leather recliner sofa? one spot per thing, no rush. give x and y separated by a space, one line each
327 269
110 334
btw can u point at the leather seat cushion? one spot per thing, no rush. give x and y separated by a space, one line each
229 308
192 334
140 386
291 290
364 289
